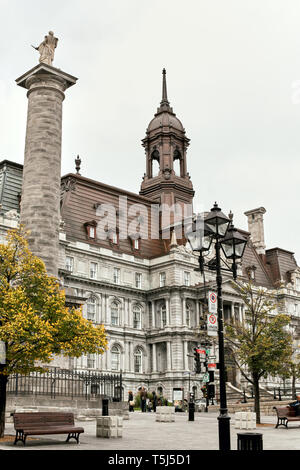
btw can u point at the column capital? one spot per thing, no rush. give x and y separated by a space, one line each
44 72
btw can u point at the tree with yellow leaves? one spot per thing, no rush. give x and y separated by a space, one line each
35 323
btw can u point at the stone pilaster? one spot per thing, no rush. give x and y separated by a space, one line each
40 200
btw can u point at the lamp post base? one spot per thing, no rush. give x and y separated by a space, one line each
224 432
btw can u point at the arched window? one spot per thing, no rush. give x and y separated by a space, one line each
177 165
92 308
137 317
115 358
154 163
115 314
163 315
138 361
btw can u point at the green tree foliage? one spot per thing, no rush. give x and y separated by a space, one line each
262 344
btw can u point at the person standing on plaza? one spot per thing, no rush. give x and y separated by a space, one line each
143 396
130 401
154 401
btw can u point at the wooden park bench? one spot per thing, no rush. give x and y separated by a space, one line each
28 424
284 415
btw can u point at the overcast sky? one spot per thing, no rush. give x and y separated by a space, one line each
233 75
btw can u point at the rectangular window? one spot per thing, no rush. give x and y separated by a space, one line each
91 361
69 263
114 238
93 270
187 278
115 363
137 363
116 275
295 309
91 309
136 244
162 279
138 280
91 232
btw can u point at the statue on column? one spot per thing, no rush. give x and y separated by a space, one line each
46 48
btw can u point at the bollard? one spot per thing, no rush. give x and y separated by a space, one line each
191 411
104 406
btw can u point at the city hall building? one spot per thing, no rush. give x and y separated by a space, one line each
143 288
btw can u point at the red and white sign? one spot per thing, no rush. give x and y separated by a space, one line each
202 353
211 366
212 302
212 325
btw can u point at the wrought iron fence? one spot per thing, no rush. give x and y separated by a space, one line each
67 383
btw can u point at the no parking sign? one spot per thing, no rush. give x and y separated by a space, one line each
212 302
212 325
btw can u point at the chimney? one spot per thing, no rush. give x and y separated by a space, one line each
256 228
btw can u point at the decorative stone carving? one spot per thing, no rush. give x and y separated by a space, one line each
68 185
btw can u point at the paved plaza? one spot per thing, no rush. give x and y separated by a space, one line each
142 432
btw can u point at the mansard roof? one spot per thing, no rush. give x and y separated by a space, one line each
82 196
10 185
280 263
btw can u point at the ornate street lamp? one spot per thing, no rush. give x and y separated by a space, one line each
219 228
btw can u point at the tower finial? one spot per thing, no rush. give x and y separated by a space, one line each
164 89
78 163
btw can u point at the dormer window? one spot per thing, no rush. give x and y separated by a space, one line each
90 228
135 241
113 236
251 272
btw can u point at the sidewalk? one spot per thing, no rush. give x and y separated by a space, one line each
142 432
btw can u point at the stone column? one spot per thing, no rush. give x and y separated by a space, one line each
153 313
241 312
107 311
40 200
131 367
197 313
185 356
183 311
168 315
169 360
232 312
154 362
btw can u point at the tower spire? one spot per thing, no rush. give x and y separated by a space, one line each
164 89
164 104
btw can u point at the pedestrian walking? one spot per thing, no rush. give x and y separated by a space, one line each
130 401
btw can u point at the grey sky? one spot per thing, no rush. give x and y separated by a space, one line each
232 72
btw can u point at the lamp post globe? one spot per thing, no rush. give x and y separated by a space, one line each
217 222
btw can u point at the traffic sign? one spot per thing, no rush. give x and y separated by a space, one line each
212 366
205 377
202 353
212 325
212 302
